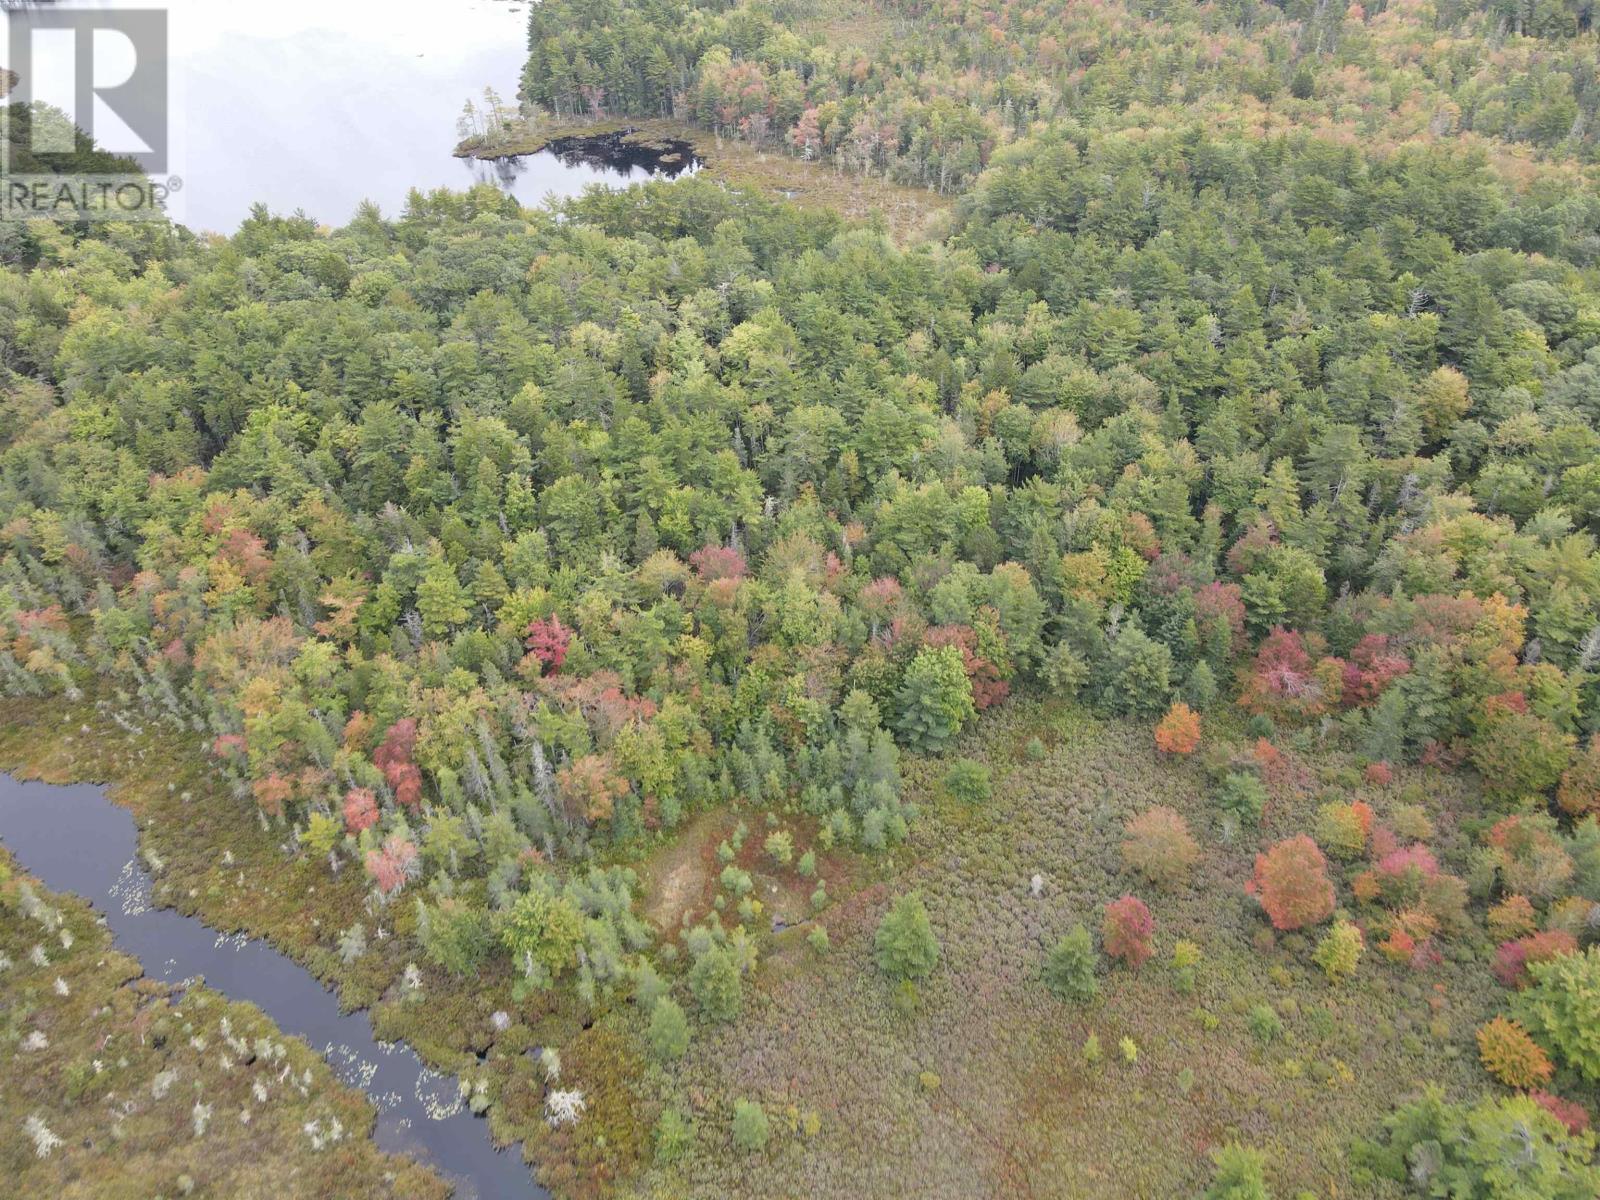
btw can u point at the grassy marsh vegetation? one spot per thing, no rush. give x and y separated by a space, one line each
118 1086
981 1085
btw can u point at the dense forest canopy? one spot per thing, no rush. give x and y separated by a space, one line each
924 93
486 547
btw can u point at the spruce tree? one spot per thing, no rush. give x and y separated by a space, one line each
1069 968
669 1030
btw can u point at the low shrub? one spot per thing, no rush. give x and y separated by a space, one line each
1264 1023
751 1129
1185 958
969 781
1159 846
674 1136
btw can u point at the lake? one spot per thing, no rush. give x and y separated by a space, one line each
316 105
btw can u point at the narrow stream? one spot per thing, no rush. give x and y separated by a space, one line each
75 839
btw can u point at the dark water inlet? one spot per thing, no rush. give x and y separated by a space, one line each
566 165
666 159
76 840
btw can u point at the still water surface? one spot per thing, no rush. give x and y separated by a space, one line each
316 105
76 840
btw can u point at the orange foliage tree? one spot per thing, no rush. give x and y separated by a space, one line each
1159 846
1512 959
1511 918
393 758
1511 1056
1290 679
1291 881
1179 730
589 788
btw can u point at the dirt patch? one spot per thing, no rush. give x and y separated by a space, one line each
682 876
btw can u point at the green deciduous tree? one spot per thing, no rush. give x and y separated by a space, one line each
1561 1009
542 931
457 936
1238 1173
1500 1148
1339 951
442 602
935 699
751 1129
716 984
1138 679
905 946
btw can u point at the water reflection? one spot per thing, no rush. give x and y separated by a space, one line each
311 106
569 164
76 840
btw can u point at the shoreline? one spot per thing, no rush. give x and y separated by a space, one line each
187 821
908 214
115 1027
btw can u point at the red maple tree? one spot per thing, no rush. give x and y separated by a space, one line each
1127 930
1291 881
